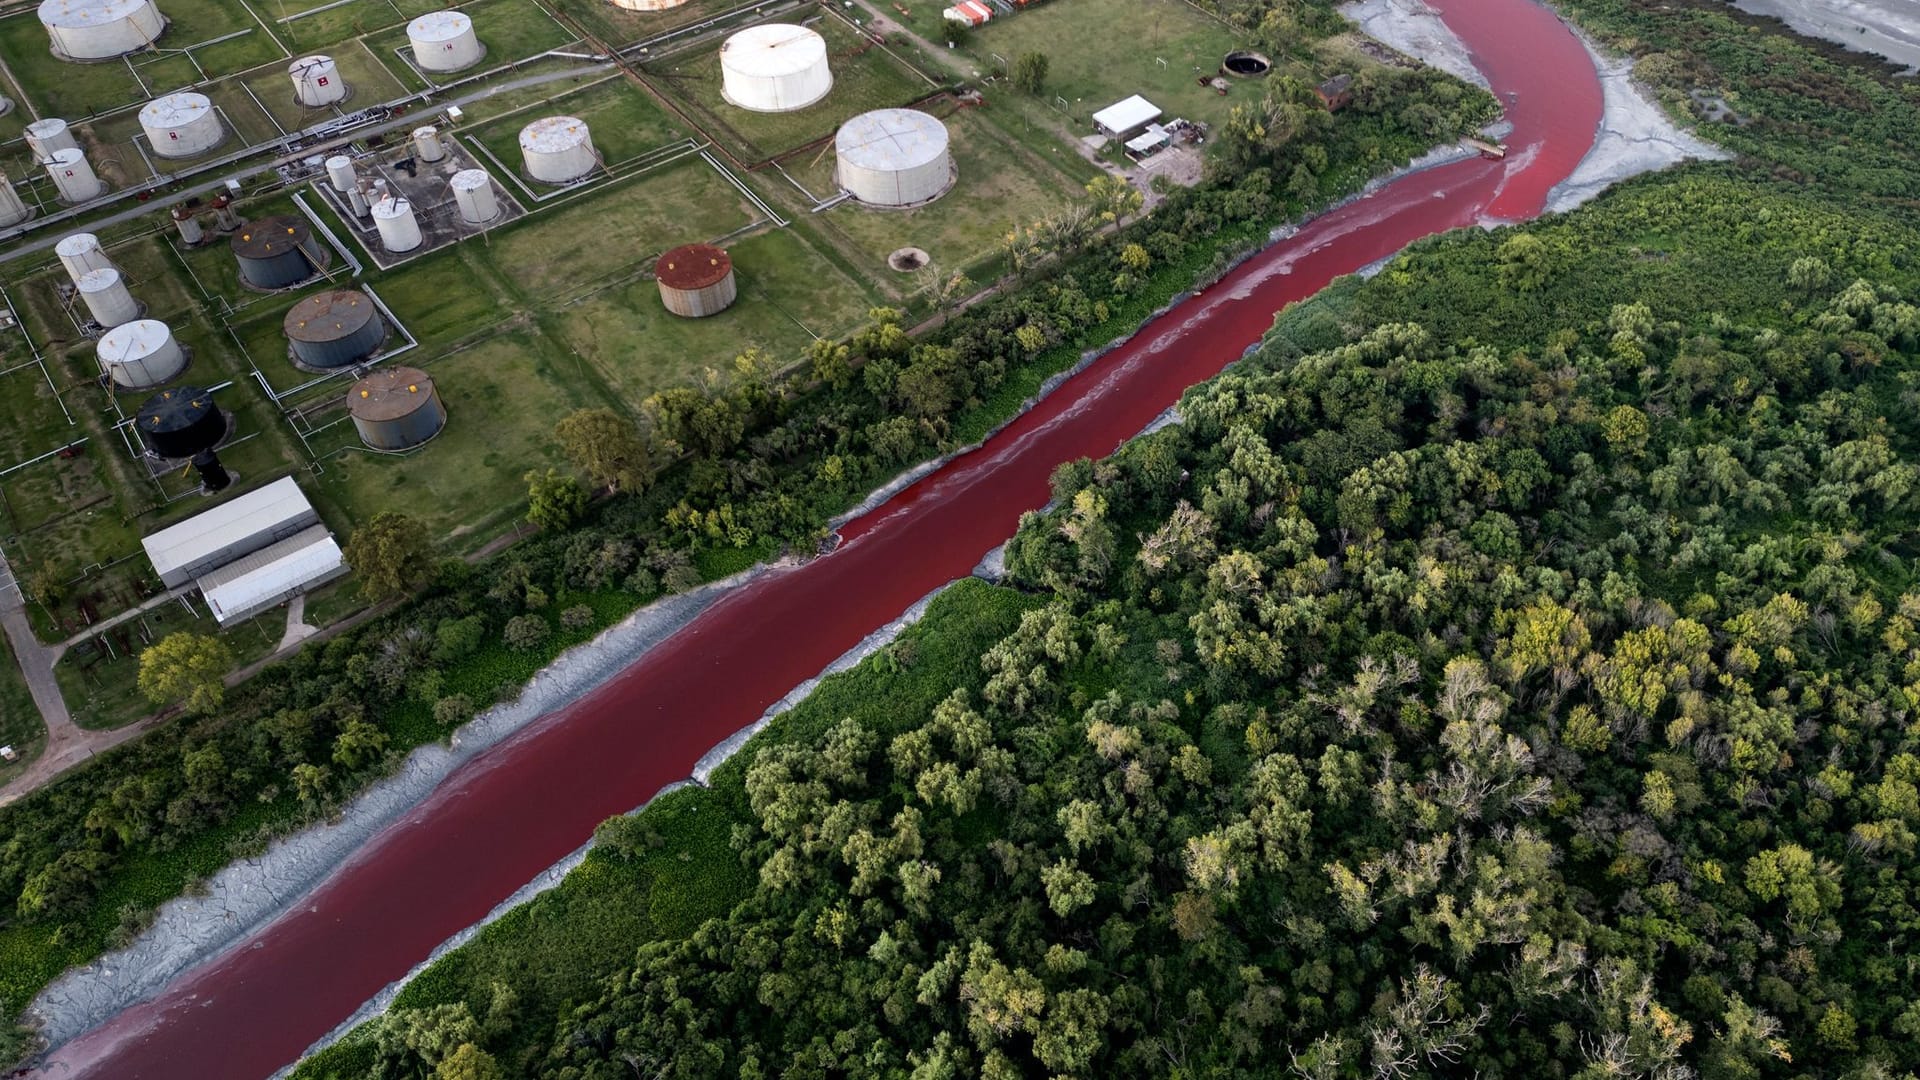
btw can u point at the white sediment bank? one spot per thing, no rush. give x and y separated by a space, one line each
1887 28
1417 30
1636 136
248 894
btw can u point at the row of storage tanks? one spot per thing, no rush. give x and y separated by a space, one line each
87 30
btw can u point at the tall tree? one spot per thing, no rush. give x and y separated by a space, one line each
606 446
1030 71
187 668
554 499
391 554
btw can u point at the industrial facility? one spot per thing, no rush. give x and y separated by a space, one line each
444 41
181 125
317 82
774 67
696 280
80 252
44 137
473 194
399 229
181 423
249 554
106 296
334 329
73 177
557 149
100 29
140 355
277 253
893 157
396 409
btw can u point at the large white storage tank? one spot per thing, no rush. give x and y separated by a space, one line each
774 67
13 209
100 29
317 82
399 229
893 157
473 194
73 176
80 252
444 41
47 137
105 293
181 125
557 149
141 355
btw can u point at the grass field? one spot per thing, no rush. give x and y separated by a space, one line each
1100 51
1001 184
872 79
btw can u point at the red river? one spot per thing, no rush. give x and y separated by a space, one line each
501 819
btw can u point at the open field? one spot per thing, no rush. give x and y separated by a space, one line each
863 78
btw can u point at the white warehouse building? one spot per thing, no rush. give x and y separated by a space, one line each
774 67
893 157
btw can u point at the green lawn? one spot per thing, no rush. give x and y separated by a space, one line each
873 79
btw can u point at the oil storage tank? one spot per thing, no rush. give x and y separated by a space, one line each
334 329
105 293
13 209
181 125
48 135
100 29
893 157
557 149
696 280
646 5
141 355
444 41
180 422
73 177
426 144
399 229
396 409
80 252
774 67
473 194
317 82
276 252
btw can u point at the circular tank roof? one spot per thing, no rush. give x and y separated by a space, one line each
134 341
391 207
329 316
773 49
553 135
49 128
693 266
269 236
175 110
310 63
470 179
66 157
98 280
175 410
86 13
390 394
77 244
891 140
439 26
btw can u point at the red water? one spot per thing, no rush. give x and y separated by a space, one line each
499 821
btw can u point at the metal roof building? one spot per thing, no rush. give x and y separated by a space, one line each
241 526
1124 118
272 575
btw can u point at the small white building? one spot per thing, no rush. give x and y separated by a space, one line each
1125 119
272 575
241 526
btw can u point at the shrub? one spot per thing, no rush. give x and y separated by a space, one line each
526 632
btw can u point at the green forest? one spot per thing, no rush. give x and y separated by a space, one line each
1509 670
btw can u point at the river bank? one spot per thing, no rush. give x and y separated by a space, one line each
1888 28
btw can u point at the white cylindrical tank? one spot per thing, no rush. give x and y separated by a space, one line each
340 173
426 144
107 298
317 82
557 149
473 194
444 41
893 157
73 176
13 210
774 67
44 137
81 252
181 125
399 229
357 199
140 355
189 224
100 29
